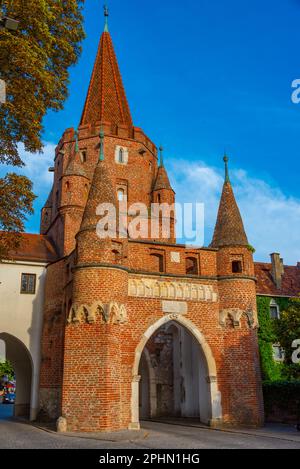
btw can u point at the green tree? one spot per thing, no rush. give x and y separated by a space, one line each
34 62
16 201
6 369
288 330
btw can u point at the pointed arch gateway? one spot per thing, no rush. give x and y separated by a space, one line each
208 383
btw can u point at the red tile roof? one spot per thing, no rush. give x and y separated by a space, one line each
35 248
290 281
229 230
106 99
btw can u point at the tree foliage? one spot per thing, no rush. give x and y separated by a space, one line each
16 202
34 62
7 370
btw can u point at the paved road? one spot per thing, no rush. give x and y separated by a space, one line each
155 435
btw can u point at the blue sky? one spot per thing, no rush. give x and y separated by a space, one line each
201 76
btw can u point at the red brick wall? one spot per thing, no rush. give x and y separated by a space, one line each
97 365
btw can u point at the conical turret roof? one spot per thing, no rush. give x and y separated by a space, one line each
229 230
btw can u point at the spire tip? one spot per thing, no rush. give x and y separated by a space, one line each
226 159
106 15
161 149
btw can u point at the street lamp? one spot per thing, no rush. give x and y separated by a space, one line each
9 23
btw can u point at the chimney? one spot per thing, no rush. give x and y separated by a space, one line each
277 269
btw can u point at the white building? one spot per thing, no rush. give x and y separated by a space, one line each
21 311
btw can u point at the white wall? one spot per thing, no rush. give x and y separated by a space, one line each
21 314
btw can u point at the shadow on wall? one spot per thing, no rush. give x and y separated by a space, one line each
241 374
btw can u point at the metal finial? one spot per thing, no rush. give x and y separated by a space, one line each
226 159
106 15
161 149
101 156
76 142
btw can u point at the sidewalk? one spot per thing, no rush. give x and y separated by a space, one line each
270 430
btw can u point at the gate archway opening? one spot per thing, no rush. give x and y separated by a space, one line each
20 358
175 375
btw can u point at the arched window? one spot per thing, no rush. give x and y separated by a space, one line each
191 266
121 195
83 156
67 186
121 155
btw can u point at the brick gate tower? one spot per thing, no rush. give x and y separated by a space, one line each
143 325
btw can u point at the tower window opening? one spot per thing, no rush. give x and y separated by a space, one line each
83 156
191 266
237 267
158 262
121 155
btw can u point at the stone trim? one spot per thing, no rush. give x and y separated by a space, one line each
150 288
236 315
111 313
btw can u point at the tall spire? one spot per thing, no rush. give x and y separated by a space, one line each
229 230
106 99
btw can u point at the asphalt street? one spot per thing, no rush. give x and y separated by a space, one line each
154 435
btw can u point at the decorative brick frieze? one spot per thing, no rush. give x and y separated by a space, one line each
151 288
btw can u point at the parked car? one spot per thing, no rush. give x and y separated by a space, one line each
9 395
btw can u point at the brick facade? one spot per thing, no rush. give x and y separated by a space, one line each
106 298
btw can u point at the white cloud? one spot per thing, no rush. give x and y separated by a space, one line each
36 169
271 218
37 165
